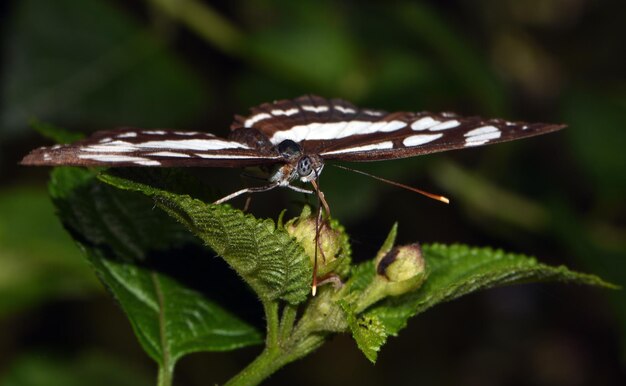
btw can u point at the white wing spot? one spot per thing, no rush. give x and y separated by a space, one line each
334 130
285 112
155 132
353 128
445 125
315 109
148 163
373 146
424 123
420 139
169 154
191 144
393 126
107 139
482 130
111 147
481 135
129 134
231 156
345 110
113 158
256 118
373 113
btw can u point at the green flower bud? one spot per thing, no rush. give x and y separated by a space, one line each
403 268
398 271
333 249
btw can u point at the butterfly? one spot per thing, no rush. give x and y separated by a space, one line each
294 137
297 136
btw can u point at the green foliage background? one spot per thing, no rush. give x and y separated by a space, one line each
94 64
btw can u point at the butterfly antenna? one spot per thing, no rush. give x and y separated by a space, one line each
412 189
320 196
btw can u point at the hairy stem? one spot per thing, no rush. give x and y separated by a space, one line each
282 346
262 367
287 320
272 359
165 376
271 317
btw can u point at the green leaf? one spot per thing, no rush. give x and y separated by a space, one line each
121 221
368 331
266 257
389 242
118 231
169 319
457 270
453 271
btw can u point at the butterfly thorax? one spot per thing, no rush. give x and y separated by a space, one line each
306 167
296 163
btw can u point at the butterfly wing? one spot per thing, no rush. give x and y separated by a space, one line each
413 134
332 128
338 130
159 148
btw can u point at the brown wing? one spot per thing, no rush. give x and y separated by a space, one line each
336 129
136 147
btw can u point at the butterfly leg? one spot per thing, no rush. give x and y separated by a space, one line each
333 279
246 206
299 189
320 196
247 190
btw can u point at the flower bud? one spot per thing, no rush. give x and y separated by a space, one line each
333 249
403 268
398 271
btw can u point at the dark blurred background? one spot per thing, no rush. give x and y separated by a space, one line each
187 64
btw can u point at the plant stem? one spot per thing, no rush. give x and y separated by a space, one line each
262 367
271 317
286 321
164 377
282 346
271 360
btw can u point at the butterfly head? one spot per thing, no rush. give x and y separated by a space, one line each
309 167
306 167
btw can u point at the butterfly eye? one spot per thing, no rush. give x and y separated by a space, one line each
289 149
305 167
